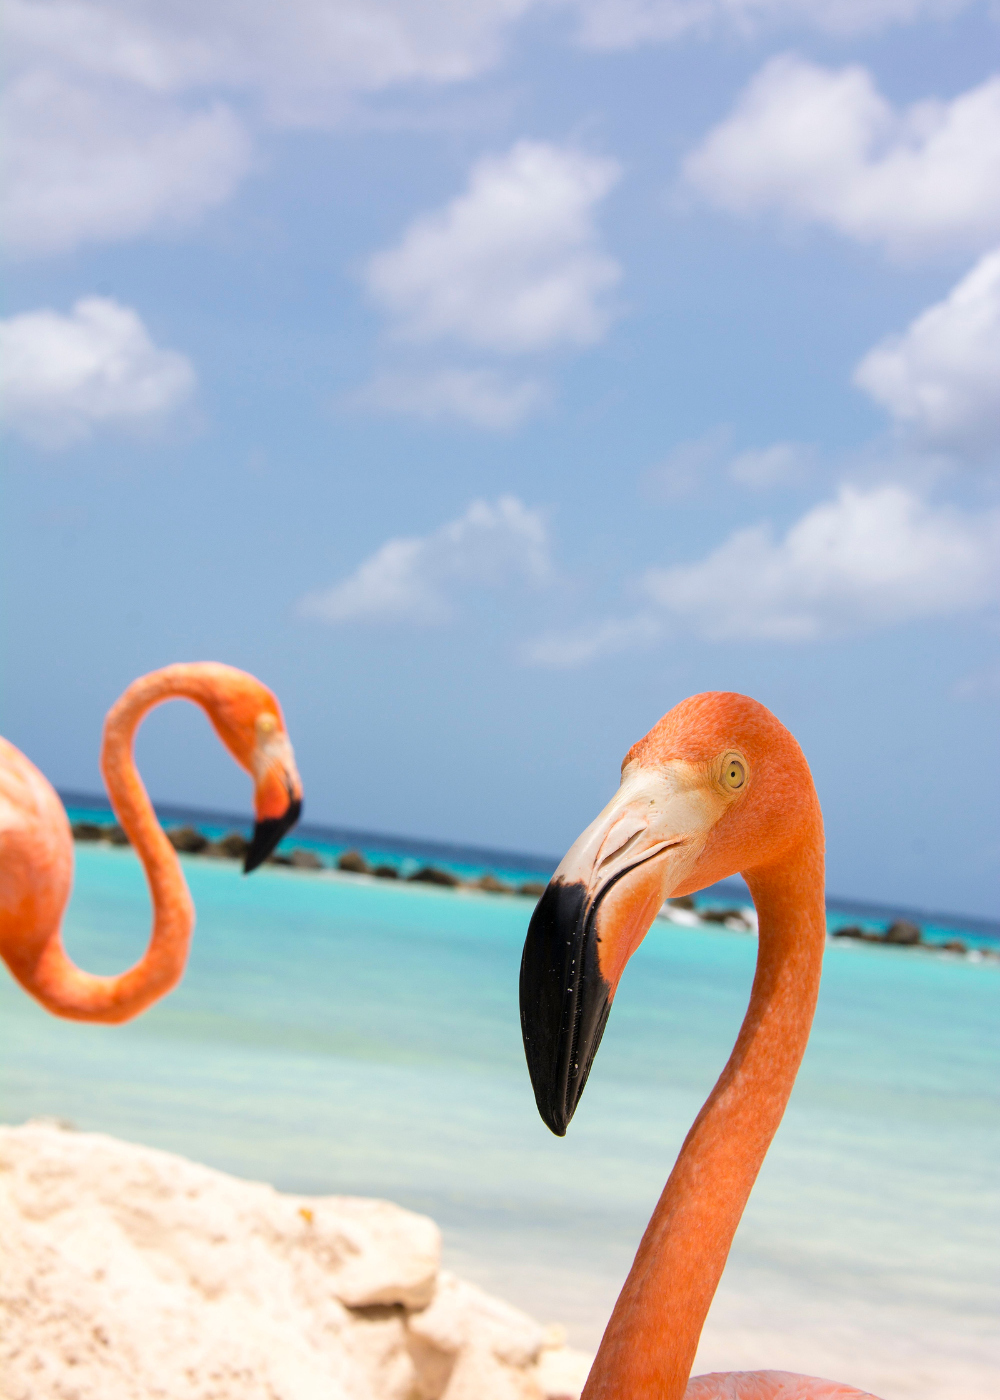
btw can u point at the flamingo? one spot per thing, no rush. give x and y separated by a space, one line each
36 845
717 786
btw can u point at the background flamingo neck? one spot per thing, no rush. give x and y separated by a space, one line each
59 984
650 1343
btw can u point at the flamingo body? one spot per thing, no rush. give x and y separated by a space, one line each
36 844
768 1385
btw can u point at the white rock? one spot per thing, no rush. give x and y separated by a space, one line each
561 1372
132 1274
462 1317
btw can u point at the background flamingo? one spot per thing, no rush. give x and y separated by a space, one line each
718 786
36 845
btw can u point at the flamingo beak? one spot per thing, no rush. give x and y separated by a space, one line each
268 831
595 912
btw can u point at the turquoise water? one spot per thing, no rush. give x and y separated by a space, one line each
342 1035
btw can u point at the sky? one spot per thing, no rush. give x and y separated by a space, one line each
488 377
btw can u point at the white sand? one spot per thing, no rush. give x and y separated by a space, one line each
131 1274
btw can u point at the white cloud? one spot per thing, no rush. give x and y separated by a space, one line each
940 379
983 684
513 264
562 651
119 115
865 560
781 464
685 467
84 165
420 578
823 146
700 463
478 396
300 61
62 376
617 24
154 81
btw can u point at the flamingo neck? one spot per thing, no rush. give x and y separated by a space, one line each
651 1340
56 981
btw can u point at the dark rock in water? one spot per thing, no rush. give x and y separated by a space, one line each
234 845
187 839
955 945
430 875
386 872
683 901
722 916
534 889
354 863
279 858
863 935
902 931
305 860
491 885
87 831
116 835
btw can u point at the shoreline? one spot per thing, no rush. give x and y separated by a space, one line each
701 910
471 862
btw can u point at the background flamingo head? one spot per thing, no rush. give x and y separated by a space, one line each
248 719
718 786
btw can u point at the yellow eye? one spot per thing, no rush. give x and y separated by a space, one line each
734 773
266 724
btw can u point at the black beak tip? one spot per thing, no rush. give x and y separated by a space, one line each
564 1002
267 834
557 1123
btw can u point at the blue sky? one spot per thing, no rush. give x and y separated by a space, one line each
489 377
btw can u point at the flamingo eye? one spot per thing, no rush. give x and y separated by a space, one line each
266 725
734 772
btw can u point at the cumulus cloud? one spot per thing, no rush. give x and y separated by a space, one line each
513 264
478 396
864 560
701 462
84 165
299 62
421 579
940 379
618 24
154 81
686 467
562 651
824 146
63 376
107 129
781 464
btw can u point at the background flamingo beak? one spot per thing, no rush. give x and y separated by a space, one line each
268 832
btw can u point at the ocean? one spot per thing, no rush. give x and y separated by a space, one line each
339 1034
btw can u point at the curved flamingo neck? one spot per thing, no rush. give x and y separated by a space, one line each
650 1343
55 980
